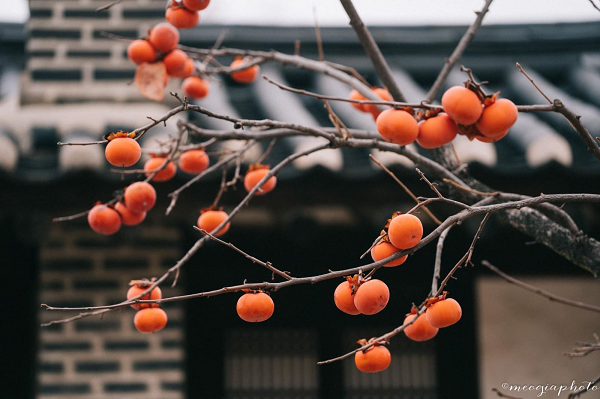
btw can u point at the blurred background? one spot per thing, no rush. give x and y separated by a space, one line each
61 80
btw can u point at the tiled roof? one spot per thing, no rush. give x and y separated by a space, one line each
564 59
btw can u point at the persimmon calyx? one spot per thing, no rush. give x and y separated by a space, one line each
257 291
471 131
119 134
142 283
257 166
211 208
354 282
363 342
429 302
491 99
413 310
395 214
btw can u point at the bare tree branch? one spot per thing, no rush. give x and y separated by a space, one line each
372 49
457 53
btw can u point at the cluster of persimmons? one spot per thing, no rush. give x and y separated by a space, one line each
149 317
358 295
467 111
160 48
139 197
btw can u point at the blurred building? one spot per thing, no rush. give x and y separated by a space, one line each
61 79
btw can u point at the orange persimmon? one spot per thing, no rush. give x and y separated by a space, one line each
150 320
444 313
376 358
384 250
462 105
371 297
140 197
397 126
343 297
128 217
405 231
255 307
104 220
209 220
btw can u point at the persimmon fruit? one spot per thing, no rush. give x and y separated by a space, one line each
253 177
164 37
355 95
196 5
194 161
136 290
384 94
376 358
156 163
128 217
497 118
462 105
444 313
491 139
397 126
182 18
344 298
420 330
437 131
188 69
255 307
195 87
104 220
175 61
150 320
140 51
247 75
371 297
209 220
122 152
405 231
140 197
384 250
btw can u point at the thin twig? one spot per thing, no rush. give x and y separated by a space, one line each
540 291
573 119
433 187
585 348
457 53
215 46
267 151
175 194
349 100
372 49
410 193
469 189
107 6
438 260
533 83
318 36
268 265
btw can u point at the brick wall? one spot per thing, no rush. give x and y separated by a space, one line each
107 357
69 60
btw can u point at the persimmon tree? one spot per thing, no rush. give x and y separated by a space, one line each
466 110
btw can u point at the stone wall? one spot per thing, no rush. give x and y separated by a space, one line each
107 357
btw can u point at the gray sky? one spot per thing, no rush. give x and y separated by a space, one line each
374 12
